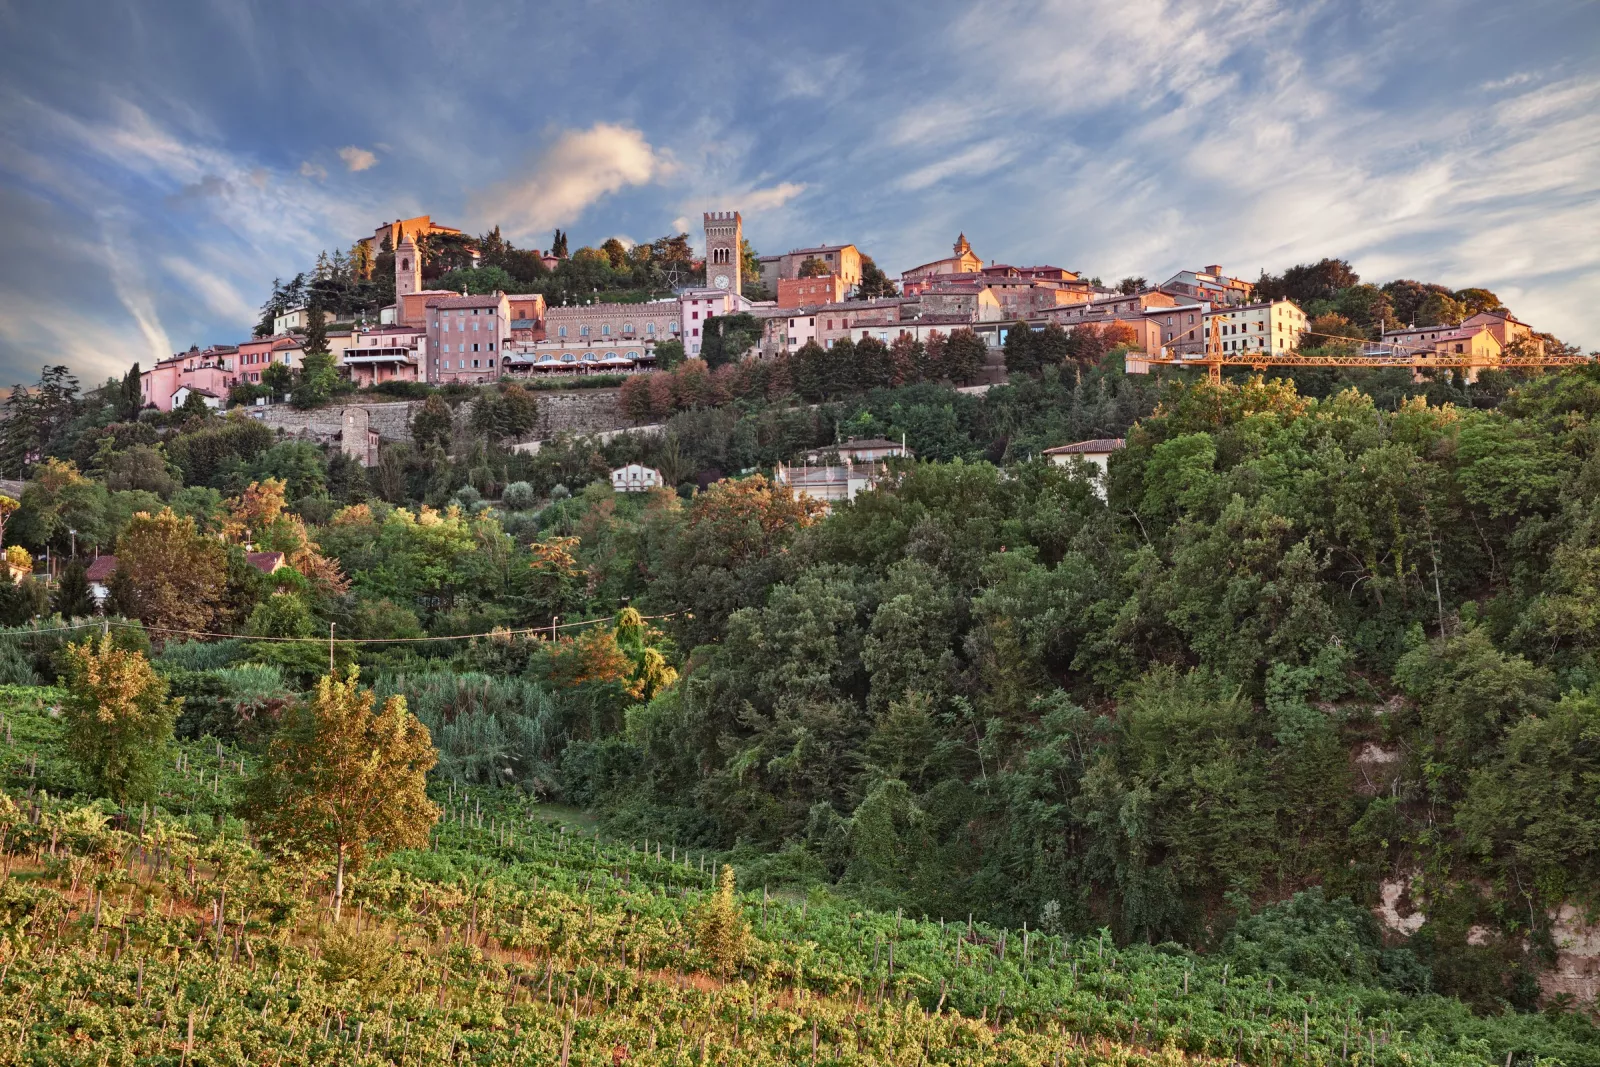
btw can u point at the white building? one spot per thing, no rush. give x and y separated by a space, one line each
1096 453
1265 327
181 396
861 450
636 478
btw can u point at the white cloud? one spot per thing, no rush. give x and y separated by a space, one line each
770 198
578 168
309 169
358 159
128 278
1520 78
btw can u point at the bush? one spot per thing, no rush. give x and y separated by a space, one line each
518 496
1309 936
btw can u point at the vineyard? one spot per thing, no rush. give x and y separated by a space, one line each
164 936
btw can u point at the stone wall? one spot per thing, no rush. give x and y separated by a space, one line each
577 411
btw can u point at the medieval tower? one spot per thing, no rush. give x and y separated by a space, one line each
407 268
724 250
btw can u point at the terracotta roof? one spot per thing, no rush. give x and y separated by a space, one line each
1078 448
265 562
101 569
484 300
287 344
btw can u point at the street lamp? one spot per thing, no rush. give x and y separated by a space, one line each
74 534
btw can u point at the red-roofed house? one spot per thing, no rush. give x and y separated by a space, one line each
99 574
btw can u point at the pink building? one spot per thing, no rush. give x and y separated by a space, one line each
213 371
254 355
385 354
466 337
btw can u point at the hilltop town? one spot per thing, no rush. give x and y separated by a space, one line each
437 324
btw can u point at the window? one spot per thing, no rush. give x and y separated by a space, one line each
605 331
694 314
696 333
583 331
445 327
474 348
561 332
474 364
649 327
627 327
491 348
811 322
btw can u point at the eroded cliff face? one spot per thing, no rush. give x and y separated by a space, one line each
1577 968
1575 933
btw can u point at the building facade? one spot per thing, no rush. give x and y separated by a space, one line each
962 260
810 292
841 260
1210 285
212 372
1273 326
386 354
466 337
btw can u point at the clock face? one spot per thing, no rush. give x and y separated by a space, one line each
721 281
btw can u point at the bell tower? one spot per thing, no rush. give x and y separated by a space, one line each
407 268
724 250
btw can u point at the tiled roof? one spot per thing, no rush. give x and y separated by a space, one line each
1099 444
102 569
484 300
265 562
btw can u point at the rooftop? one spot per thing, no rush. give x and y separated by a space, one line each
1098 446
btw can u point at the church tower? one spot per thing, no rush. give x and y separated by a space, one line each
724 250
407 268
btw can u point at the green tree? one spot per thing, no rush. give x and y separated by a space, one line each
964 355
669 354
277 377
1022 349
558 245
812 267
875 284
343 781
73 599
433 424
118 719
1132 284
130 398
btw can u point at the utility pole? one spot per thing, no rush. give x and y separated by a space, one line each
330 648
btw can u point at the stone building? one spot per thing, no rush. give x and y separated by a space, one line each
841 260
962 260
1210 285
810 292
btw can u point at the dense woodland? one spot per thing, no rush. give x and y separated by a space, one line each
1309 638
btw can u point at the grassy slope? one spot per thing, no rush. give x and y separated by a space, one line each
514 937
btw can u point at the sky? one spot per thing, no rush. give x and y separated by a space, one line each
162 162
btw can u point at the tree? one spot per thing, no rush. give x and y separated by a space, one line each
1053 345
168 575
73 599
433 424
720 930
277 377
964 355
319 376
726 338
1022 349
615 252
118 719
1305 283
1474 301
558 245
669 354
342 781
812 267
1132 284
7 506
874 283
129 399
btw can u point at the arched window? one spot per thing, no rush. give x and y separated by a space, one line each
674 326
633 355
605 331
627 327
649 327
583 331
561 332
405 264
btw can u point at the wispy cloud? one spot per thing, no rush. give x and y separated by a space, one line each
575 170
358 159
309 169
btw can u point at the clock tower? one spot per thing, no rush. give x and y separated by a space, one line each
724 250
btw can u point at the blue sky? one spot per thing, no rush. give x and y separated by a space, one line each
162 162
